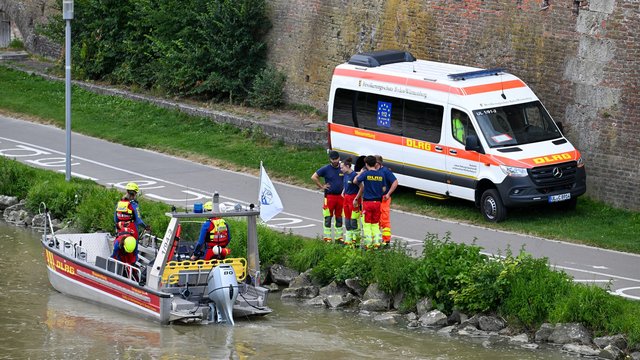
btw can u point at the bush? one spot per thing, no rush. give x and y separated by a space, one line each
267 91
437 272
206 48
15 178
533 289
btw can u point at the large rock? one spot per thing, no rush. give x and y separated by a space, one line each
301 280
355 286
302 292
17 214
542 335
318 301
374 293
434 318
388 318
334 289
282 275
618 341
612 352
6 201
374 305
572 333
424 306
341 301
490 323
583 350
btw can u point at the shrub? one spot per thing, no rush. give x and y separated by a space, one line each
436 273
15 178
533 289
267 91
481 289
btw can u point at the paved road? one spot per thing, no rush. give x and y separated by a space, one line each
181 182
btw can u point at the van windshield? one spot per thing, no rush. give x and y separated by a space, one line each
516 124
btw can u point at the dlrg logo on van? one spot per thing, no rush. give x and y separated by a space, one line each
452 130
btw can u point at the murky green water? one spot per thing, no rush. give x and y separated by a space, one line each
37 322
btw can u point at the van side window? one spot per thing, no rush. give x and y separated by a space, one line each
461 126
387 114
379 113
343 107
423 121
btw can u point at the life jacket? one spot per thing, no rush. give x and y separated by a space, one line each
121 254
124 210
126 228
218 233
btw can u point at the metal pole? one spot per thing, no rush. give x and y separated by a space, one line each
67 68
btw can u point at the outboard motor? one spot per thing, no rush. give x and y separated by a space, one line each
222 289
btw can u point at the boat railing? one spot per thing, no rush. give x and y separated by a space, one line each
119 268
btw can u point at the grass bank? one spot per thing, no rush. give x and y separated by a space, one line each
523 290
147 126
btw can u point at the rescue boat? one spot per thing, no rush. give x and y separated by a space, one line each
161 286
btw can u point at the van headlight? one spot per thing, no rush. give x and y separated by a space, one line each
514 171
580 162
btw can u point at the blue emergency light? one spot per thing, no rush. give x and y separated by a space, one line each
476 74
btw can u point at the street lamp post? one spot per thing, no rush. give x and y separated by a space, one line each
67 15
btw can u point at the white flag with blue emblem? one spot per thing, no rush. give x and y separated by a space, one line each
270 203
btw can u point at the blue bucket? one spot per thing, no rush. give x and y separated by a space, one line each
197 208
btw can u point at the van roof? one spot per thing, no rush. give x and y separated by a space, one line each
402 68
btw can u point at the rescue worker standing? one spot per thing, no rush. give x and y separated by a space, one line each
127 216
391 183
372 187
333 200
351 213
214 238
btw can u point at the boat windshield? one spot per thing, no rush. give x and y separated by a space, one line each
516 124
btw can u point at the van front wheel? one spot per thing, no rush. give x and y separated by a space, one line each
492 207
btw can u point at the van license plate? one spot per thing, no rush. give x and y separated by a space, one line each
561 197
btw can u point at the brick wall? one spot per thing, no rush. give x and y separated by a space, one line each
584 64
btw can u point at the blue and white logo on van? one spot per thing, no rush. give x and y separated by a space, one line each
384 114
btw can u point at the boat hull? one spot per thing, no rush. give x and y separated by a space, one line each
82 280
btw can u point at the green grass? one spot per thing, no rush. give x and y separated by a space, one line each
147 126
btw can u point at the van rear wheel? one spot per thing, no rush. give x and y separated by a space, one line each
492 207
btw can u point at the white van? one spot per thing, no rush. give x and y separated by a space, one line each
450 130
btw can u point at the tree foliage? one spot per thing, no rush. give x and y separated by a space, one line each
212 49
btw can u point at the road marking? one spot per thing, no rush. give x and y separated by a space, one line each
86 177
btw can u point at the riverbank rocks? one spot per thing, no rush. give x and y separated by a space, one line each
571 333
301 287
282 275
17 214
618 341
375 299
434 318
6 201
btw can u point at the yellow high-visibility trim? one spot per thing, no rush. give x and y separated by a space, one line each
171 272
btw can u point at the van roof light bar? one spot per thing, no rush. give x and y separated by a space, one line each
383 57
476 74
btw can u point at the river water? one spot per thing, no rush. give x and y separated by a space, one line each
36 322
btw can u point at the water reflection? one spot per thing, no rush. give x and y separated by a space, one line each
39 323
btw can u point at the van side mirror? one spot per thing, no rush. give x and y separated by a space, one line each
473 144
560 126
